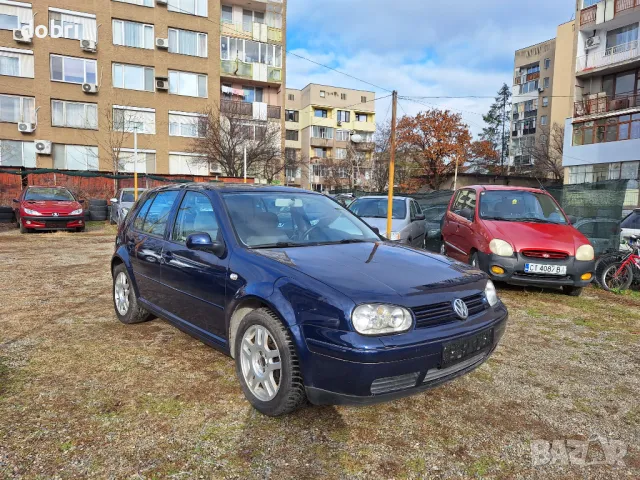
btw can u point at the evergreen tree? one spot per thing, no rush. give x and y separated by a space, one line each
498 128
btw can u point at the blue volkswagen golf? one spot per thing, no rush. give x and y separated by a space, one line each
310 301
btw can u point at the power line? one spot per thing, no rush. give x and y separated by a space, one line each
428 105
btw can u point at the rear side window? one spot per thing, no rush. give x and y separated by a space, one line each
142 213
157 217
632 221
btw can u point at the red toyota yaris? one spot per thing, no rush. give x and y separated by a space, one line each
48 208
518 236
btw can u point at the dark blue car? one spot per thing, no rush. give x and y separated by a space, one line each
306 297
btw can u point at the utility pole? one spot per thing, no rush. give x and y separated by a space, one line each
135 163
392 163
504 115
245 164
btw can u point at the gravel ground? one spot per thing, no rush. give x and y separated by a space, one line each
83 396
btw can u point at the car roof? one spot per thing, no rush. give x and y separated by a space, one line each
234 188
132 189
497 188
382 196
47 186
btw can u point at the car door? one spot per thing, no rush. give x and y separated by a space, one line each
451 228
418 226
145 242
197 278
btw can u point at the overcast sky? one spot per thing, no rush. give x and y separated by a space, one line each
418 47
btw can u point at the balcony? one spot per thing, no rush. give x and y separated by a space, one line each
365 146
622 5
253 71
236 68
601 103
321 142
588 15
607 57
247 108
274 111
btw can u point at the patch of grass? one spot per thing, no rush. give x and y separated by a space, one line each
4 377
481 467
161 406
632 417
534 312
583 405
67 446
483 375
416 467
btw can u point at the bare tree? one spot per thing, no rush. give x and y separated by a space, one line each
546 153
229 130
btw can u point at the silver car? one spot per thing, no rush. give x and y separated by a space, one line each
408 223
122 203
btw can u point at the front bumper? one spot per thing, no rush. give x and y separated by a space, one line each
514 270
53 223
364 376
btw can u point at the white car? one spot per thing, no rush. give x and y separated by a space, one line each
630 225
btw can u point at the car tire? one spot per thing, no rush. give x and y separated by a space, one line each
443 248
572 291
283 391
80 229
473 261
22 228
133 313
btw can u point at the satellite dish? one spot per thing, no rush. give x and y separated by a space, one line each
356 138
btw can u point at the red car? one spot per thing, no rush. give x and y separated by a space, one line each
48 208
519 236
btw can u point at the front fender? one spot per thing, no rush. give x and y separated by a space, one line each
121 255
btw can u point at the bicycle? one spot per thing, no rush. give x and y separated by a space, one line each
619 275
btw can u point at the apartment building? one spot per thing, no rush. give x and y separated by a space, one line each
149 66
602 137
329 136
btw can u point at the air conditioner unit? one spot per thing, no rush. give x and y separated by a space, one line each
162 83
339 123
162 43
21 37
162 2
592 42
43 147
215 168
24 127
541 89
89 46
90 88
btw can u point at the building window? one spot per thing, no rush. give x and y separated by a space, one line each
344 116
187 84
145 163
133 77
186 164
623 127
342 135
249 17
292 135
545 101
129 119
15 15
227 14
291 155
14 109
543 120
192 125
74 114
367 137
14 63
322 132
322 94
530 86
622 39
190 7
144 3
343 96
320 113
547 63
75 157
249 51
254 132
341 153
133 34
253 94
361 117
292 115
320 153
292 97
185 42
72 25
73 70
17 154
363 99
621 85
546 82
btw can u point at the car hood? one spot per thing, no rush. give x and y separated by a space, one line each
538 236
48 207
381 272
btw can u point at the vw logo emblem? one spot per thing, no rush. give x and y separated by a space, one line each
461 309
55 214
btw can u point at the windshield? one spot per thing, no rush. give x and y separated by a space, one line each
267 220
59 194
377 208
520 206
127 196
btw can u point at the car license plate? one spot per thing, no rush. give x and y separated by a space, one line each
459 350
545 269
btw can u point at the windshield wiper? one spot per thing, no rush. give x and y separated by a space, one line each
279 245
538 220
502 219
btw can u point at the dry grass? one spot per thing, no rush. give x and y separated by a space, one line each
83 396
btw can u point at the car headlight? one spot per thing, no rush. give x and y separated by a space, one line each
394 236
501 248
28 211
378 319
490 293
585 253
77 212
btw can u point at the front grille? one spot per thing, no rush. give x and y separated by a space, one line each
539 276
55 223
391 384
441 313
545 254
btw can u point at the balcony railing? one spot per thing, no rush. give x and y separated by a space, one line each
274 75
609 56
588 15
237 107
253 31
365 146
622 5
321 142
274 111
237 68
601 103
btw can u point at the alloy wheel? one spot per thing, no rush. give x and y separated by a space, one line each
121 293
260 362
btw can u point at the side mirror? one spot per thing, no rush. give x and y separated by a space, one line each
15 200
114 200
419 217
202 242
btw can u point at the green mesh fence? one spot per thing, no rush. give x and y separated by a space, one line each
85 174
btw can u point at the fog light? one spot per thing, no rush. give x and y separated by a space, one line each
28 222
497 270
80 222
586 276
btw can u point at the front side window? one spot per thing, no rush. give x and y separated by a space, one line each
73 70
185 42
17 154
49 193
75 157
138 223
157 217
74 114
133 34
189 7
519 206
465 204
195 215
134 120
188 84
15 109
133 77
